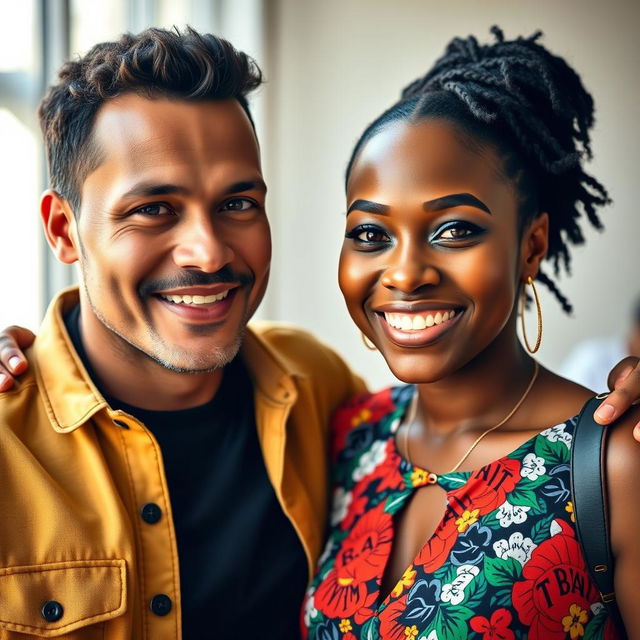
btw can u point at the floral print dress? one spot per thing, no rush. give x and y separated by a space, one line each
503 563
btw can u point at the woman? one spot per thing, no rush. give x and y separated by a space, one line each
452 516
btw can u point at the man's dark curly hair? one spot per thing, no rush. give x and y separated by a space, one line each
531 106
154 63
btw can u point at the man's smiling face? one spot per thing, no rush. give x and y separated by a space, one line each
172 236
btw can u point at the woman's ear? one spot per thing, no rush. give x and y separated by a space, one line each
59 226
535 242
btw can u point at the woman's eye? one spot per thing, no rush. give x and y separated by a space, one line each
365 235
238 204
456 231
155 209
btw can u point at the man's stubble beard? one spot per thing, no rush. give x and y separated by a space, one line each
215 358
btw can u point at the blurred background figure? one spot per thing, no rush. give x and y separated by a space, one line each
589 362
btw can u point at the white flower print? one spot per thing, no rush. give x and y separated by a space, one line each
370 460
509 514
453 592
309 609
532 467
433 635
517 547
557 433
341 501
554 529
328 548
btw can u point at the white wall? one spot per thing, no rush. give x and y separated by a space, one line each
334 65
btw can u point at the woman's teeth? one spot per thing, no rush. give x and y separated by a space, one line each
417 322
196 299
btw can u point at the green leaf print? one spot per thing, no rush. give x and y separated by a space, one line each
447 573
540 530
370 630
594 629
552 452
491 521
523 498
450 622
501 598
395 502
501 572
475 592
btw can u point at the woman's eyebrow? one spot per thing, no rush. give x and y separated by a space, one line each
368 206
454 200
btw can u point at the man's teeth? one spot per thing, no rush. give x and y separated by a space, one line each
196 299
416 322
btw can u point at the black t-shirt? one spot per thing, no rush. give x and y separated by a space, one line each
241 562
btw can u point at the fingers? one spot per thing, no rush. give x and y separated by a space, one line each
621 371
12 361
625 380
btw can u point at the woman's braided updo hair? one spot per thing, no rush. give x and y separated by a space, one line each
532 107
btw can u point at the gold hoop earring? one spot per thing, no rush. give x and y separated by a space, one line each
523 298
367 343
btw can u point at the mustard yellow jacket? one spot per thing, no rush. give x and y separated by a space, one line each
76 559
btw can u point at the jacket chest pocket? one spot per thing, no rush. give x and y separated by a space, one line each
66 600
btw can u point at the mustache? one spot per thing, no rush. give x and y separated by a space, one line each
194 279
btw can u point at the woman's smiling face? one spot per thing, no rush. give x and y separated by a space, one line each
432 260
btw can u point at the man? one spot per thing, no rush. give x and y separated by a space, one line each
162 467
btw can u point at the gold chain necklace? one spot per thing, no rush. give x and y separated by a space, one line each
432 478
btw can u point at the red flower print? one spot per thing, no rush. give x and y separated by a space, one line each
487 488
387 471
555 582
495 629
437 548
340 597
391 628
357 505
364 552
362 556
364 408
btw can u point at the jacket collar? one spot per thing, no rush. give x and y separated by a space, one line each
70 396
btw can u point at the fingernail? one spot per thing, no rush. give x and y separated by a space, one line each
605 412
3 379
14 362
636 431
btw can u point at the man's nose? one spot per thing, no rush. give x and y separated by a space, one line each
199 245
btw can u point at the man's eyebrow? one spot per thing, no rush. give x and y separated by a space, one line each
148 189
246 185
368 206
145 189
454 200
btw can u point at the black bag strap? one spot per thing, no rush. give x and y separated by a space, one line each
589 492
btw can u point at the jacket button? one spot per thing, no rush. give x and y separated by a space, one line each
52 611
151 513
160 604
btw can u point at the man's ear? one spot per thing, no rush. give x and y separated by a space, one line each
59 226
535 242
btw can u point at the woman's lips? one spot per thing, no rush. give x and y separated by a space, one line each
417 329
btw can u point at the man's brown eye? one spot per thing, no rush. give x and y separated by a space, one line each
153 210
238 204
